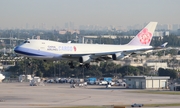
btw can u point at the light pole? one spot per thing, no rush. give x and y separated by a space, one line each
54 65
83 73
59 69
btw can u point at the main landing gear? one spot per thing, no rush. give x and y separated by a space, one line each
86 65
71 64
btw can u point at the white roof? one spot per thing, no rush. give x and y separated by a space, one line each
147 77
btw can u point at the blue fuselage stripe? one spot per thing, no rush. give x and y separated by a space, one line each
32 52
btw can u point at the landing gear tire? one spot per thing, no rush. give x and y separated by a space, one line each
81 65
71 65
87 65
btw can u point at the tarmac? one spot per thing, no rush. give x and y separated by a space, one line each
21 95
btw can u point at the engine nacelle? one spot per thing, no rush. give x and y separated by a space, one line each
85 59
117 56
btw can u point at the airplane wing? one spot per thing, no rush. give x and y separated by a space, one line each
110 55
154 49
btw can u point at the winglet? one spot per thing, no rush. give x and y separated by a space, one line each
164 45
144 37
69 42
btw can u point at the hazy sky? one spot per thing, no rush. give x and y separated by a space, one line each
16 13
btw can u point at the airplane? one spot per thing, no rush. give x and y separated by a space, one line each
86 53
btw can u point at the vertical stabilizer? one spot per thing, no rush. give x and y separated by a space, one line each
144 37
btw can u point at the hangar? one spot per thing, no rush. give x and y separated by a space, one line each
147 82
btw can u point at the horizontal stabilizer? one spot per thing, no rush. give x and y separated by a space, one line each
69 42
164 45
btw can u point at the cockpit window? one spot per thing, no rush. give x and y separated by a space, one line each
26 42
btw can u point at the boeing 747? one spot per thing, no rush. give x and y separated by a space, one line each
86 53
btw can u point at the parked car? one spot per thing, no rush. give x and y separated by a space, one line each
57 80
103 82
50 81
111 83
136 105
91 80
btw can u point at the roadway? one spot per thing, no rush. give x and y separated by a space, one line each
21 95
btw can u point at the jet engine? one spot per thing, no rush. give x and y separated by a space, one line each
85 59
117 56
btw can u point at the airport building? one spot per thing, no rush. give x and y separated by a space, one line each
147 82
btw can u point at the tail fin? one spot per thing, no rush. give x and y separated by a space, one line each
144 37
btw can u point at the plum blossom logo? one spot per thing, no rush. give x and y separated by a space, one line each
145 36
74 48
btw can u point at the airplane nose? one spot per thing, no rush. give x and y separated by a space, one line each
16 49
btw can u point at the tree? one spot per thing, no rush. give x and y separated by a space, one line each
168 72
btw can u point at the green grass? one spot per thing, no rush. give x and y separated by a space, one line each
162 105
156 92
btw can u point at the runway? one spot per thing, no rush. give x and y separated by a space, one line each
21 95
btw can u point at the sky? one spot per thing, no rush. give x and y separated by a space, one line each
17 13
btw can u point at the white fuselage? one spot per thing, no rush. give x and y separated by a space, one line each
46 49
86 53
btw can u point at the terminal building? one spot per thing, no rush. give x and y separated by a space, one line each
147 82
